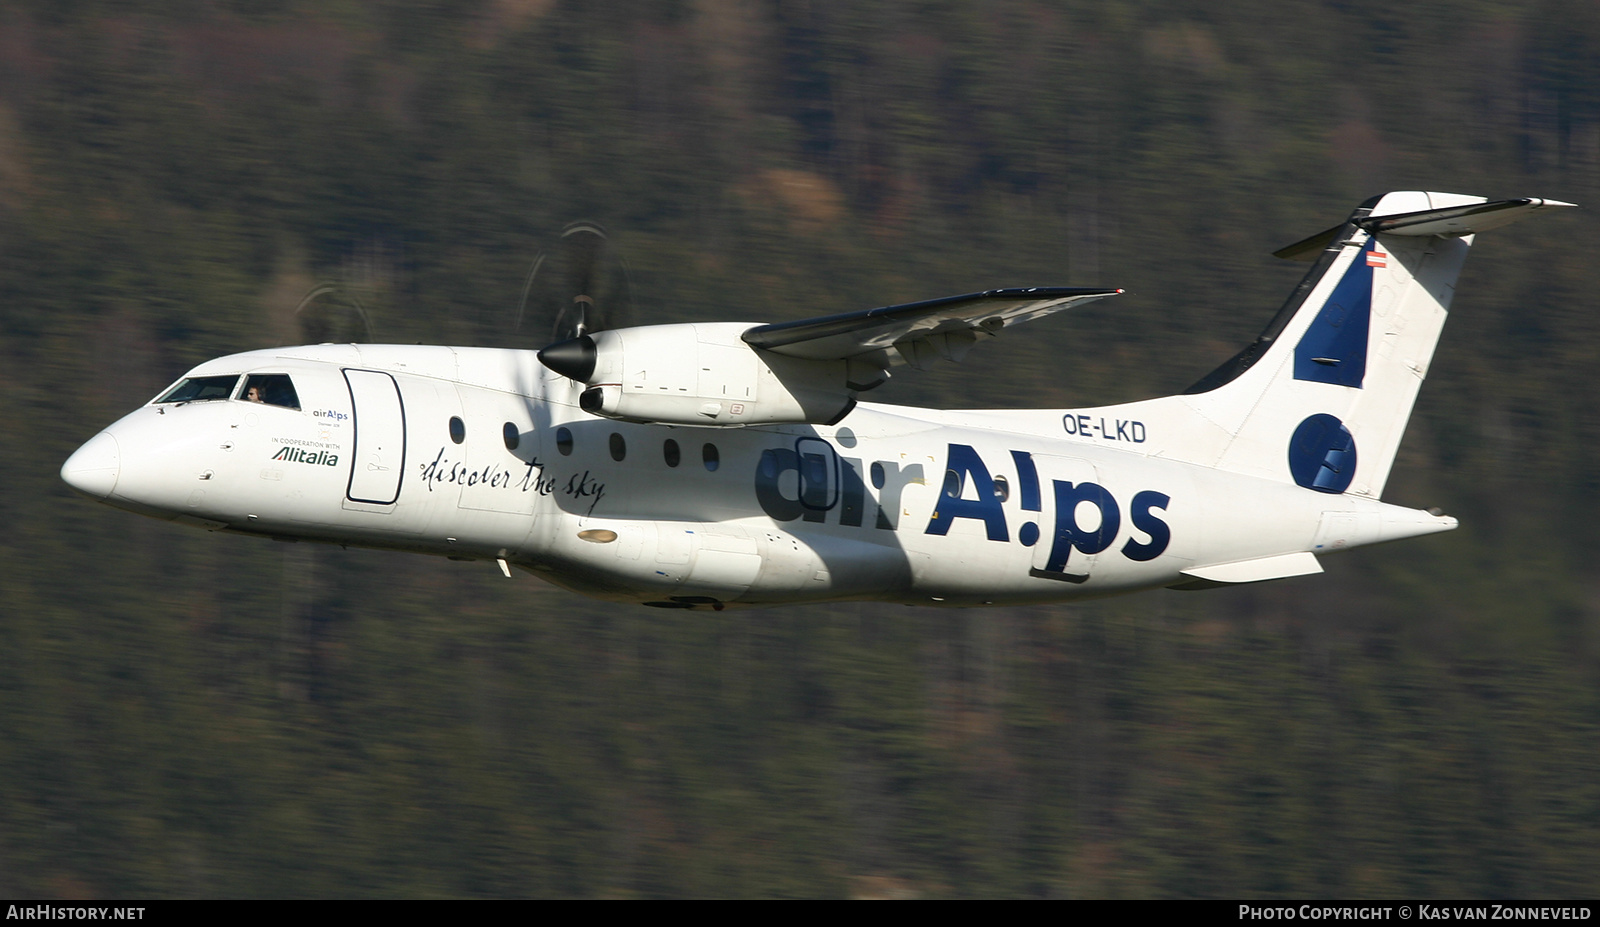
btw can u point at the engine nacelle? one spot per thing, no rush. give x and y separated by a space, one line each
699 374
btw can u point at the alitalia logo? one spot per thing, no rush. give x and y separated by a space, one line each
307 457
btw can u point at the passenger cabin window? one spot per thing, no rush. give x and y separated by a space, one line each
201 389
511 435
619 447
273 389
564 441
670 453
711 457
458 429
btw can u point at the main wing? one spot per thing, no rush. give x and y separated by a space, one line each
914 333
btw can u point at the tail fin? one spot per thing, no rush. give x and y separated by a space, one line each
1334 376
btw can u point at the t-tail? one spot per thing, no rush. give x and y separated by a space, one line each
1322 396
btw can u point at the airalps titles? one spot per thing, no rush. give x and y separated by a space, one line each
50 912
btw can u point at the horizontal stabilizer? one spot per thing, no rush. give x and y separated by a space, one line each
909 332
1450 221
1456 221
1281 566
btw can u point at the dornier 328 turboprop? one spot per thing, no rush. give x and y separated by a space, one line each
730 464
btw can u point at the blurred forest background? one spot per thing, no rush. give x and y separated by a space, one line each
194 714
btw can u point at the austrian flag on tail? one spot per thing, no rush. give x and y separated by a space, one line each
1376 258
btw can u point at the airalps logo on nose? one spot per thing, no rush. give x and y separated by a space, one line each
330 415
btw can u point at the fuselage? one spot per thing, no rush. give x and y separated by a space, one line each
655 465
484 454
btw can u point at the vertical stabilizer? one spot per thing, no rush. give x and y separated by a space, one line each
1322 397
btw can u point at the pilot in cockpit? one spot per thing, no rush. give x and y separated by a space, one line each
273 389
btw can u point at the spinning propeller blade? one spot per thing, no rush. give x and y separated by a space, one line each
577 285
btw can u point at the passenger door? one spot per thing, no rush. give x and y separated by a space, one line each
378 462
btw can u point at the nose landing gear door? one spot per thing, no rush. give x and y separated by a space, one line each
380 438
1080 519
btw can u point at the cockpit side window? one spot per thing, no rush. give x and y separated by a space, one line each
201 389
274 389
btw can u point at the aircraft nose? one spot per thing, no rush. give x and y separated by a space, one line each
93 468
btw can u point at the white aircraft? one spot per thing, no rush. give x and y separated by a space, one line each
729 464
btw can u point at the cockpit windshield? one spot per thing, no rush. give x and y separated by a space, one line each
274 389
201 389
